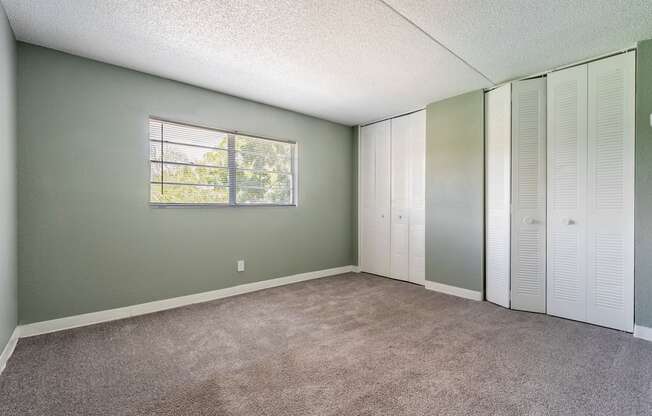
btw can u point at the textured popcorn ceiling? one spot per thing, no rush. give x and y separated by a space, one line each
507 39
350 61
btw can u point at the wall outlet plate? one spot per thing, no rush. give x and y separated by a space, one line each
241 266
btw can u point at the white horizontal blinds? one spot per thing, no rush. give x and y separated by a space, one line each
194 165
611 192
567 145
188 164
264 171
498 170
528 273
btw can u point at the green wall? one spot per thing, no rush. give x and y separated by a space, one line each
89 241
8 284
455 191
643 208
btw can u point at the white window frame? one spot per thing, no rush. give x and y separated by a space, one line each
232 169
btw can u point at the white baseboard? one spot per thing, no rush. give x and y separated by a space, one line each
643 332
454 290
76 321
8 350
356 269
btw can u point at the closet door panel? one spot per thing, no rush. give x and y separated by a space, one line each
611 192
528 248
417 195
368 195
400 186
567 144
498 143
382 230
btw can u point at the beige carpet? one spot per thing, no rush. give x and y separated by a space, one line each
344 345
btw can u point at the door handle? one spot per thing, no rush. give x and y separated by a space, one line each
528 220
567 221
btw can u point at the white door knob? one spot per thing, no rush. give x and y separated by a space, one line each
528 220
566 221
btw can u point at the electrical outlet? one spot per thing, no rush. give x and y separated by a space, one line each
241 265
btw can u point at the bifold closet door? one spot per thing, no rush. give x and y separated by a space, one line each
567 148
400 189
408 197
418 198
610 265
528 229
375 171
498 184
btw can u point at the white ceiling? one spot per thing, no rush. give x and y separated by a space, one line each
349 61
507 39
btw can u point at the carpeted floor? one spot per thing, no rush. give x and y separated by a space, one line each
343 345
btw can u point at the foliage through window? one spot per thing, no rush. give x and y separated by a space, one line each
194 165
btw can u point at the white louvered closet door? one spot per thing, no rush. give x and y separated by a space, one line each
567 150
498 183
400 182
528 241
610 199
374 169
418 198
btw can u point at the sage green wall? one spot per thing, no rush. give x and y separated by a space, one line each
8 285
455 191
88 240
643 208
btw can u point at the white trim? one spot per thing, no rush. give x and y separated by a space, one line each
9 349
359 198
76 321
643 332
454 290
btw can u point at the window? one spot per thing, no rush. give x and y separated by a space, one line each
198 166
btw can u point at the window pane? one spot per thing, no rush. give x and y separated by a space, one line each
281 196
263 154
197 175
155 172
268 162
191 194
155 150
193 155
263 187
155 193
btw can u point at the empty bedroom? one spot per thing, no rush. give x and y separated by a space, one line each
325 207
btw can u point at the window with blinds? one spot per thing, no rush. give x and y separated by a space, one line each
192 165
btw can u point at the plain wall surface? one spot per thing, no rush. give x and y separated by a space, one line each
89 241
643 205
455 191
8 285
